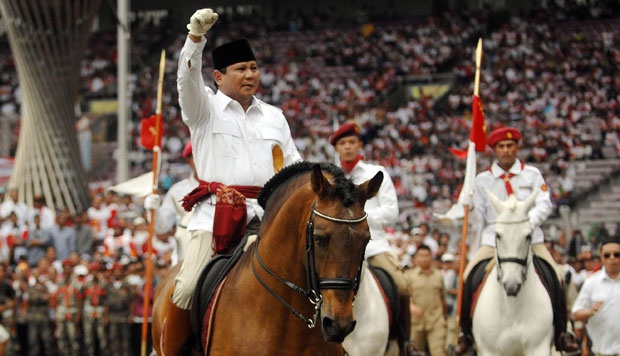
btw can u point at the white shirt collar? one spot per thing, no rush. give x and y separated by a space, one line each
227 100
497 171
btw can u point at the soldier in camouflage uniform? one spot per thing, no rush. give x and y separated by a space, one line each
95 313
119 298
37 316
68 314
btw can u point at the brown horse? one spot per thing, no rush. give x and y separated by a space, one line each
161 304
292 291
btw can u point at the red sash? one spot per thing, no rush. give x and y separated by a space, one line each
230 210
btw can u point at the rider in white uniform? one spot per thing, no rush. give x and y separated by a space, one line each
382 211
508 175
239 143
170 213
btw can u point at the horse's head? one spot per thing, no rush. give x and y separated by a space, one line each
337 235
512 240
325 212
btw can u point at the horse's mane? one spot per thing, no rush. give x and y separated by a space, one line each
343 187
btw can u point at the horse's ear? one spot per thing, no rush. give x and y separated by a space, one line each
497 204
320 184
370 188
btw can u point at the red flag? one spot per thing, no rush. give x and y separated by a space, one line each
478 133
148 131
462 154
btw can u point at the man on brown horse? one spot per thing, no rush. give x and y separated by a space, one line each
239 142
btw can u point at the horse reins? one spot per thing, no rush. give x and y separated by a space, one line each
315 284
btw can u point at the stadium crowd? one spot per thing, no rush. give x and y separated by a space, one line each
560 88
554 75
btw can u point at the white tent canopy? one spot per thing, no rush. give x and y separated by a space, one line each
138 187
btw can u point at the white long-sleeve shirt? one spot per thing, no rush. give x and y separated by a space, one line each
382 209
171 212
230 146
526 180
20 209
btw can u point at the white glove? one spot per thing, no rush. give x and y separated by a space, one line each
152 202
201 21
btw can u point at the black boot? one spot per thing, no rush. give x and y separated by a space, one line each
563 341
464 344
567 343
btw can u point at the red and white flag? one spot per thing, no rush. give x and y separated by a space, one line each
149 136
477 143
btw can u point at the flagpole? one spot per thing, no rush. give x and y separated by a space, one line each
463 247
156 166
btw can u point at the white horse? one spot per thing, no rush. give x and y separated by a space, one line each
513 314
372 330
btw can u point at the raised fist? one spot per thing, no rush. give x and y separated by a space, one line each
201 21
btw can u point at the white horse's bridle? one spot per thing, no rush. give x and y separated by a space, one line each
523 261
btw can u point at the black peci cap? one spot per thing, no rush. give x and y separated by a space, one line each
231 53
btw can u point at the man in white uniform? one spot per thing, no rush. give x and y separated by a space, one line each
382 210
598 303
239 142
508 175
171 213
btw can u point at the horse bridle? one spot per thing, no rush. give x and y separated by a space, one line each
315 283
517 260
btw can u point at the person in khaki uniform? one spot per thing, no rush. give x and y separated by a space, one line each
119 298
68 314
95 313
37 316
428 307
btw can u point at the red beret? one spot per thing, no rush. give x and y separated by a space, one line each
67 262
95 266
503 133
187 151
348 129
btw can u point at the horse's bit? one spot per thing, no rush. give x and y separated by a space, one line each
315 284
517 260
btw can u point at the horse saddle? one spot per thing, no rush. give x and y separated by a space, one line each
210 278
391 297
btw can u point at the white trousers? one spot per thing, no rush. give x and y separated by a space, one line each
197 255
